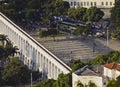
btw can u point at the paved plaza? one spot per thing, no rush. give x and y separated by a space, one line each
68 49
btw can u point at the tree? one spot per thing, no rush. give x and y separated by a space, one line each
64 80
15 72
91 84
49 32
79 84
77 13
76 64
61 7
113 83
6 49
46 83
82 30
71 12
32 14
115 14
94 14
116 33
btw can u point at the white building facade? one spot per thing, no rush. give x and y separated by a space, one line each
86 79
89 3
112 70
32 53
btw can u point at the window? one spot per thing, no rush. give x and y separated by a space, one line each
78 4
87 3
74 3
102 3
84 3
95 3
81 4
106 3
91 4
110 3
71 3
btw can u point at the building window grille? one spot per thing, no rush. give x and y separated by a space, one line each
95 3
110 3
78 3
84 3
91 4
71 3
87 3
106 3
74 3
102 3
81 4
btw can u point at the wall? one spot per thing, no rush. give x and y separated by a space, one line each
85 79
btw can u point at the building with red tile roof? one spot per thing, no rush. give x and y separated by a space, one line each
112 70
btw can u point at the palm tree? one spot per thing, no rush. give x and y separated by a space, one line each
7 49
3 39
91 84
79 84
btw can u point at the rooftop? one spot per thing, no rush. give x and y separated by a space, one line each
113 65
90 71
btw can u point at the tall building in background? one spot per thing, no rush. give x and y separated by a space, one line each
89 3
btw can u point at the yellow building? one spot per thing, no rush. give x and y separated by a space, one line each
89 3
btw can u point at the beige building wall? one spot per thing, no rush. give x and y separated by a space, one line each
111 73
117 73
85 79
108 72
89 3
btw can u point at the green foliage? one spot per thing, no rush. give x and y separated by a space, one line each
6 49
100 59
79 84
77 13
15 72
82 30
34 9
94 14
116 33
115 14
90 84
83 14
61 7
31 14
113 83
49 32
118 79
62 81
76 64
113 56
46 83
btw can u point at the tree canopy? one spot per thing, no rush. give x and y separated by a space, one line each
15 72
91 14
115 14
94 14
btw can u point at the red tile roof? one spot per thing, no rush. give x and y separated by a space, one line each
118 67
113 66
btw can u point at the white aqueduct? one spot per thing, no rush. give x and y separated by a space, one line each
32 53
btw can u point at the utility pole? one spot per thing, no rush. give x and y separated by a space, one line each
31 79
107 36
